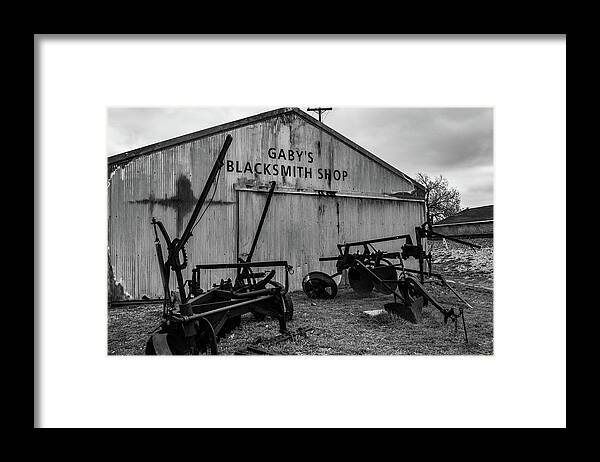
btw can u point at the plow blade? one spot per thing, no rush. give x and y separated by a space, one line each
158 345
412 312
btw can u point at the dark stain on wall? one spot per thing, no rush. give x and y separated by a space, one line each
183 201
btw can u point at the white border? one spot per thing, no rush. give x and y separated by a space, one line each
522 384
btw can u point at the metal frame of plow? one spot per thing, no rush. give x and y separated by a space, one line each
201 318
372 269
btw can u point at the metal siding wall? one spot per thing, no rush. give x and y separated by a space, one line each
298 230
135 195
302 228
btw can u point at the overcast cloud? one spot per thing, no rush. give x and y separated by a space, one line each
454 142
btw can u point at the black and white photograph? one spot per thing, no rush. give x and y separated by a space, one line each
282 231
278 234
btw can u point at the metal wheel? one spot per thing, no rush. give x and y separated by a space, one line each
319 285
206 340
164 344
173 342
410 291
167 342
413 289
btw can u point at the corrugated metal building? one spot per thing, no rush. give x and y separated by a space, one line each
329 190
476 222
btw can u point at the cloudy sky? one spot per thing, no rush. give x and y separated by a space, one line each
454 142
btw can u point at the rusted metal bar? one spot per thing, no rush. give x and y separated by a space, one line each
450 238
253 293
207 186
259 264
383 255
373 241
164 272
258 351
261 222
225 308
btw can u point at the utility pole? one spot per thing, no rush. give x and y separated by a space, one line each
319 110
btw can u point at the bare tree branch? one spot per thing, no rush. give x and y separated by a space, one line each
441 199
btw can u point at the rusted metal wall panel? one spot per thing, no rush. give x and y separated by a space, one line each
166 184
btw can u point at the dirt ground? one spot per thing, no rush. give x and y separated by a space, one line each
339 326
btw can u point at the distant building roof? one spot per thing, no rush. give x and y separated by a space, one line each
475 214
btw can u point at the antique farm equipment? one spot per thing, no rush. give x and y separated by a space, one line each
373 269
247 280
194 323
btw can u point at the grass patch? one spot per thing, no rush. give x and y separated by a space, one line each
340 327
